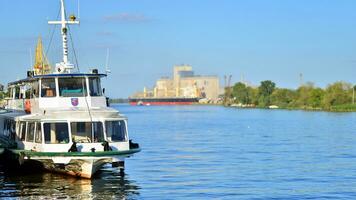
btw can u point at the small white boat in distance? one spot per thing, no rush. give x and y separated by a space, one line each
61 121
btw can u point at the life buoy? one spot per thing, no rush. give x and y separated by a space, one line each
28 106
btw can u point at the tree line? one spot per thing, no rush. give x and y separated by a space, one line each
337 96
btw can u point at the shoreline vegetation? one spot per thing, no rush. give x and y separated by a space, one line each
336 97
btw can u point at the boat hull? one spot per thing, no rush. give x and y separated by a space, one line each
78 167
78 164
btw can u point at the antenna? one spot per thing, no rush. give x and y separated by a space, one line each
107 70
65 65
301 79
243 79
78 9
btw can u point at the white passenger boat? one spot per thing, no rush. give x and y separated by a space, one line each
61 120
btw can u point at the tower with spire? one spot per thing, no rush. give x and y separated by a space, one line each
41 65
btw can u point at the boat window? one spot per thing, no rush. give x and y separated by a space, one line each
30 132
38 133
22 131
48 87
98 132
72 87
22 91
17 92
116 131
10 128
35 89
28 91
7 127
94 86
87 132
10 93
56 133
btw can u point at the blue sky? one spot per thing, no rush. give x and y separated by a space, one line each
257 39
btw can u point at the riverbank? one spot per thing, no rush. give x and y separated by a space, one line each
339 108
336 97
344 108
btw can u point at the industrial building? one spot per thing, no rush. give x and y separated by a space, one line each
184 84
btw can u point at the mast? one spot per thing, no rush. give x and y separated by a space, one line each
65 65
107 70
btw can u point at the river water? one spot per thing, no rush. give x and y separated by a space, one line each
212 152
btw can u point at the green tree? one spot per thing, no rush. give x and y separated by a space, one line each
337 94
240 93
354 94
252 95
265 91
228 95
283 97
304 94
245 94
316 98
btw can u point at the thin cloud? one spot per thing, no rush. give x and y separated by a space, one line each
126 17
20 39
106 46
105 33
9 52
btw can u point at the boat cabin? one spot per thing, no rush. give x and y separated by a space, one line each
57 91
66 109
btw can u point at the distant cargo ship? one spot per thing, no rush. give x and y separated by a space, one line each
163 101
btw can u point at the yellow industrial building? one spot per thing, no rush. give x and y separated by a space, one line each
184 84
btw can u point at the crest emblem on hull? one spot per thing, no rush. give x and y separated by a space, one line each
75 101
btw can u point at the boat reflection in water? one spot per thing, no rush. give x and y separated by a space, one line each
106 184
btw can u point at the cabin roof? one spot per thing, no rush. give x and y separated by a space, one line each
79 114
11 113
56 75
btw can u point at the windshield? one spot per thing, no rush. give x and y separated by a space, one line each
38 133
30 131
56 133
72 87
116 131
48 87
86 132
94 85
